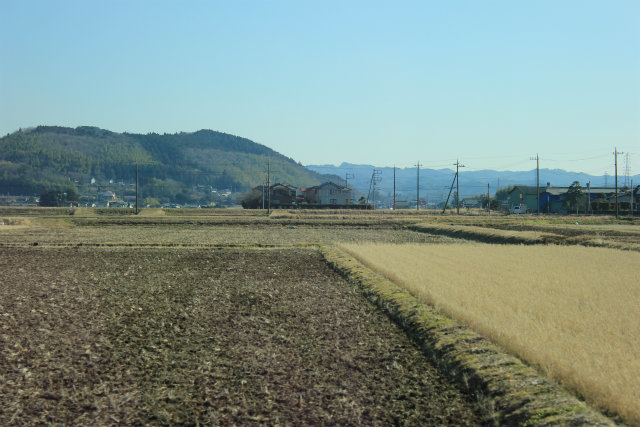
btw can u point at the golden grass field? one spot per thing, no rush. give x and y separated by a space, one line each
571 311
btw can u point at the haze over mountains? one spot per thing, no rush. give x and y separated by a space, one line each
435 183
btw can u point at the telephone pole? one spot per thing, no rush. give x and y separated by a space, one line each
631 198
537 159
489 198
458 166
616 152
136 187
268 187
418 187
394 188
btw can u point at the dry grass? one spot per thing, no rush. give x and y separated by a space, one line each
572 311
190 235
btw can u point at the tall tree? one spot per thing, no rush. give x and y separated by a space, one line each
50 198
575 196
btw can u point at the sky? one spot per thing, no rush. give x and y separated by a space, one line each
489 83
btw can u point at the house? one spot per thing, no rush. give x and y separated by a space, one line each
130 200
553 199
282 194
117 204
279 194
525 197
328 193
106 195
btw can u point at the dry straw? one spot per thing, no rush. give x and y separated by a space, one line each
572 311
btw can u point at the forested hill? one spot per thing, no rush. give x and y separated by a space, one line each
50 157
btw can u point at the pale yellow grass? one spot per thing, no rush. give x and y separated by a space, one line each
15 223
572 311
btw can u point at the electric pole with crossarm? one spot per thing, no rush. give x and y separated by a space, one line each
458 166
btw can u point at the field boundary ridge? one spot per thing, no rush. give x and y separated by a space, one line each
521 237
511 392
486 235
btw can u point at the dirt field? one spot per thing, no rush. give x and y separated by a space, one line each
163 336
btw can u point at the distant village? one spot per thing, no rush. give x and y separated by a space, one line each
519 199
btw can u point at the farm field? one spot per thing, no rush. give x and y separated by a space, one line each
96 304
571 311
190 235
166 336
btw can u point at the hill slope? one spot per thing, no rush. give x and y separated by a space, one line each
60 158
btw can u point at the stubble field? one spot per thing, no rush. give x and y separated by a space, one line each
166 336
233 318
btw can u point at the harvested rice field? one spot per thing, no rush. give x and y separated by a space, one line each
184 336
192 236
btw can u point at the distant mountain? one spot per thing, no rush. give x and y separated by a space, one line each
51 157
435 184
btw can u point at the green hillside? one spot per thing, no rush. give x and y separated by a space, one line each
170 165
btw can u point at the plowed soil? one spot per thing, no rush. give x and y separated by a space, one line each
161 336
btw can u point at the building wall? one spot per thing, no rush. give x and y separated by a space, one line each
530 201
329 194
333 195
282 196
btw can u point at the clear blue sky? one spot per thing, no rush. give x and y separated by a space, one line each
489 82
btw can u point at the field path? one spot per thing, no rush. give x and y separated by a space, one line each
166 336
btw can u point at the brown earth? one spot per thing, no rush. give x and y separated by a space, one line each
162 336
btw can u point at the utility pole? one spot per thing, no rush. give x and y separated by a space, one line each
455 178
489 198
588 197
136 187
269 187
394 188
375 177
616 152
458 166
631 193
418 187
537 159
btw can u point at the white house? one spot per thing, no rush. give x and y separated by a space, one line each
328 193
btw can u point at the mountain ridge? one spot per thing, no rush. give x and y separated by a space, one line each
56 157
